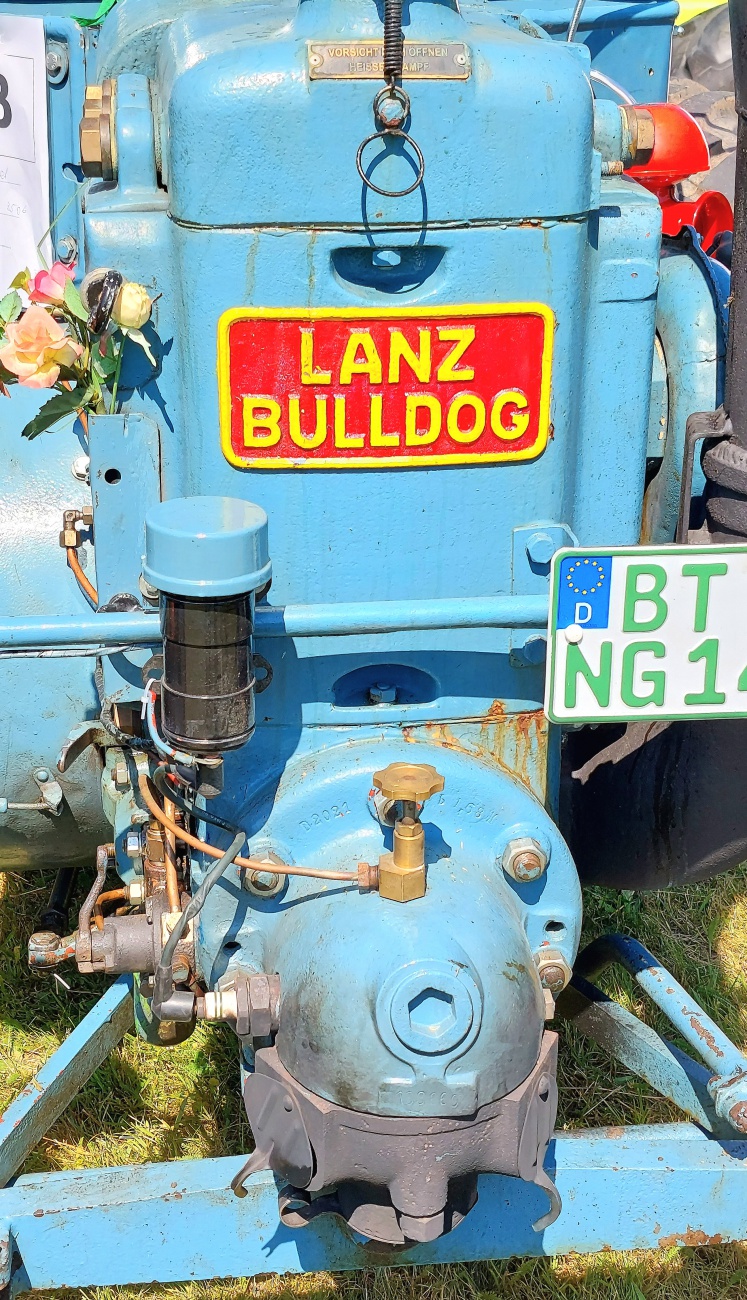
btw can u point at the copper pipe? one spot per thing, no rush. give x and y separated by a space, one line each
172 879
252 864
108 897
74 562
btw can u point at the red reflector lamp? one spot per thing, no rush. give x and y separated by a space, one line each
680 150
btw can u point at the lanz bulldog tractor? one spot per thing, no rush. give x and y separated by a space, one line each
373 576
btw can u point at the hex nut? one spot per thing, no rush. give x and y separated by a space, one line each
524 859
554 971
133 844
121 775
69 537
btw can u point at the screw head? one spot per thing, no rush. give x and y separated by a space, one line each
554 971
57 62
381 693
81 469
524 859
67 249
541 548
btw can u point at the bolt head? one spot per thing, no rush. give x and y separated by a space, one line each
81 469
66 249
554 971
541 548
41 775
133 844
121 776
3 805
524 859
381 693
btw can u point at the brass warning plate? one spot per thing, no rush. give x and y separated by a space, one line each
427 60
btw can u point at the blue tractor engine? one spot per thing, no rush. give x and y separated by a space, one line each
415 328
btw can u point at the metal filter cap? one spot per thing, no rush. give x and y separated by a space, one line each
206 546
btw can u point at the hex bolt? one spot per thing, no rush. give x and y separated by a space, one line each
67 249
56 62
121 775
180 969
133 844
81 469
554 971
524 859
381 693
541 548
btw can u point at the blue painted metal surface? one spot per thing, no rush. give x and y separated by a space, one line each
407 606
206 546
639 1188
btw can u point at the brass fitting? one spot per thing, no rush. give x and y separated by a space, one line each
69 536
98 143
408 782
401 873
641 129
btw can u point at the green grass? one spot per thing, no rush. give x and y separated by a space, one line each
151 1104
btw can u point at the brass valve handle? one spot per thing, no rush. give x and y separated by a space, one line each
408 782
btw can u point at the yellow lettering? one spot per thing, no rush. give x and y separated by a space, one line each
261 413
415 437
307 440
400 350
342 438
308 374
461 338
462 400
519 417
370 363
378 437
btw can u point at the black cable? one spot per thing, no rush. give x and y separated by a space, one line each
394 40
168 792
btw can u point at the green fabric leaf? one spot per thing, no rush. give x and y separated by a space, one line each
98 17
10 307
103 366
72 301
21 279
63 404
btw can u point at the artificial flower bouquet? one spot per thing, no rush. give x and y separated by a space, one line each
59 339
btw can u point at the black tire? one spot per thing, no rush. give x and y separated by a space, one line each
702 81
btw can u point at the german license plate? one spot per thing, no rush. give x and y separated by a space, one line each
647 633
357 388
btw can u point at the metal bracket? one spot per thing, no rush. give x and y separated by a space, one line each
50 801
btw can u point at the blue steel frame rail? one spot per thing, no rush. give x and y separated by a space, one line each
624 1189
60 631
37 1107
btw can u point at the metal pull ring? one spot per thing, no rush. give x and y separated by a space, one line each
402 135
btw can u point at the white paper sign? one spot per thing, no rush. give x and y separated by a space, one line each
24 147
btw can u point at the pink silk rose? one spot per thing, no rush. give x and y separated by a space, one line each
49 286
36 346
